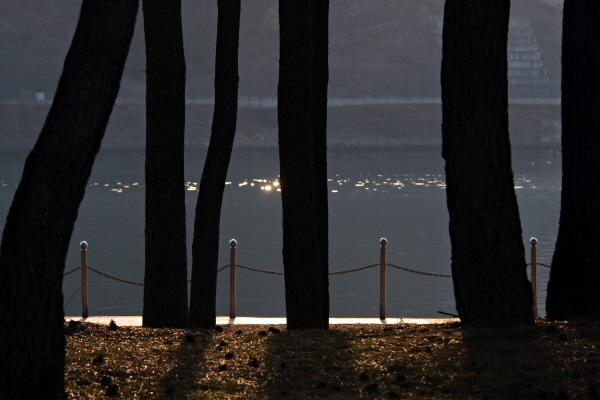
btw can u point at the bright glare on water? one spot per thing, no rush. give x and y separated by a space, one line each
400 198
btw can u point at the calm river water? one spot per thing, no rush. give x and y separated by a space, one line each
401 198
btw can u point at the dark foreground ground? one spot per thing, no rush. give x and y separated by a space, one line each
551 360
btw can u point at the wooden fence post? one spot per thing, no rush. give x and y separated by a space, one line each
383 243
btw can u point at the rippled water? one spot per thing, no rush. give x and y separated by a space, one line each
399 198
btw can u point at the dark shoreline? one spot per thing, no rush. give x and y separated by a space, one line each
335 151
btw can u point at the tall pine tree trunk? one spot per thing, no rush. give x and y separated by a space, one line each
488 257
40 222
165 282
302 120
574 287
205 247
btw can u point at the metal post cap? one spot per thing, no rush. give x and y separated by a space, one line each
233 242
533 241
383 241
83 245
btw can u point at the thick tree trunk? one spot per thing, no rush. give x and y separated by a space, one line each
41 219
205 247
488 257
165 286
302 120
574 287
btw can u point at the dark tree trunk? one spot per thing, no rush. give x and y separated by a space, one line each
165 289
574 287
302 120
205 247
488 256
41 219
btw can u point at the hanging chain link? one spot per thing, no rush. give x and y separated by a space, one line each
543 265
259 270
281 273
116 279
221 269
353 270
419 272
123 280
71 271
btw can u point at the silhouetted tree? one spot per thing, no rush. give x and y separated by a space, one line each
574 287
40 221
205 247
302 121
488 257
165 286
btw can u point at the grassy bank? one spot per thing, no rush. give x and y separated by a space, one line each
552 360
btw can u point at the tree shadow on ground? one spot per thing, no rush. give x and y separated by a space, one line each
327 364
189 365
308 363
548 360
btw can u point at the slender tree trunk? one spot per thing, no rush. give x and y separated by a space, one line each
488 256
40 222
302 120
574 287
165 289
205 247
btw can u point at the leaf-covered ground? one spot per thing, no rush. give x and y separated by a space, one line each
551 360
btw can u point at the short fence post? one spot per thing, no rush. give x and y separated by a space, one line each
232 244
84 300
383 243
533 243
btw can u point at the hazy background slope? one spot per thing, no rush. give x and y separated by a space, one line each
385 58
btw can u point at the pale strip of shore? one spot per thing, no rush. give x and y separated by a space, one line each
137 321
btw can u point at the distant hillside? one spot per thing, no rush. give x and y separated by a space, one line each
378 48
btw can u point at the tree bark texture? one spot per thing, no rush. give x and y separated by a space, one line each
488 256
165 281
574 287
205 246
302 120
40 221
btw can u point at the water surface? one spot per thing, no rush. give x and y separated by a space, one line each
401 198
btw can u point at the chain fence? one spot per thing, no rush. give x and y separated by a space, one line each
116 279
542 264
71 271
259 270
270 272
232 262
123 280
282 274
353 270
419 272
